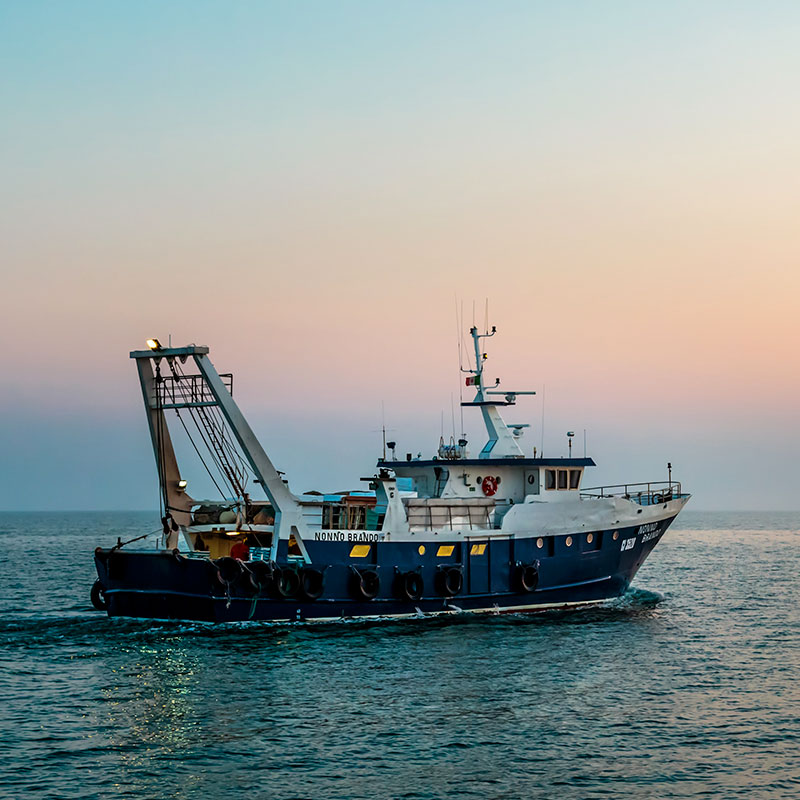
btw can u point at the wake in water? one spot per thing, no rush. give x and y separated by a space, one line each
85 624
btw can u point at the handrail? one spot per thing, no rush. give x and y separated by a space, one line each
654 493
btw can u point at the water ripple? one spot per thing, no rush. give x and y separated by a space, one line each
684 688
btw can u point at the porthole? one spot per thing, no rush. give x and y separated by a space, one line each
531 479
540 543
590 538
421 549
569 541
497 479
479 481
616 535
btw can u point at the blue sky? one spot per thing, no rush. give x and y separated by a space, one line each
307 187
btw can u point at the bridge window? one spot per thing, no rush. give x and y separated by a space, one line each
562 479
341 516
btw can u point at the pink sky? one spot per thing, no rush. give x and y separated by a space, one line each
628 205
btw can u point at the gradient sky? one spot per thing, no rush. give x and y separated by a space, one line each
308 187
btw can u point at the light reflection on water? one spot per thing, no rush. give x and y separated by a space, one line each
686 686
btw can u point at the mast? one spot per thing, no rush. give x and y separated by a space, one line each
502 442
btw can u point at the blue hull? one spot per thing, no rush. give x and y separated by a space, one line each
592 568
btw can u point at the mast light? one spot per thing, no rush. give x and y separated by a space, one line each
154 344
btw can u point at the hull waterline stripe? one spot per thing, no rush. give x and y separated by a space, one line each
339 600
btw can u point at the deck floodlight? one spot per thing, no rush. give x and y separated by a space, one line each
181 485
154 344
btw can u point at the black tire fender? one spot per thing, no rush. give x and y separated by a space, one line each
98 596
312 583
263 573
248 581
450 580
228 569
528 576
287 582
410 585
366 583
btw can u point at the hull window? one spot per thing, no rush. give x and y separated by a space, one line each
593 542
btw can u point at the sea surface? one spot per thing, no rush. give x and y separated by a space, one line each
687 687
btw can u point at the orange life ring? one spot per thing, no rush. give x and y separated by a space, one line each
489 485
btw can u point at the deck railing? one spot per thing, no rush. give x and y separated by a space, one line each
652 493
189 390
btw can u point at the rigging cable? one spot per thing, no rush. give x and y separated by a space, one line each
199 454
214 456
222 450
206 438
243 472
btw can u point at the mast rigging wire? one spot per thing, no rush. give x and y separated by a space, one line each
210 425
199 454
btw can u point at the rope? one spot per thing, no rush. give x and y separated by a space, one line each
120 543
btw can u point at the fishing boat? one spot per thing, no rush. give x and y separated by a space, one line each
503 531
